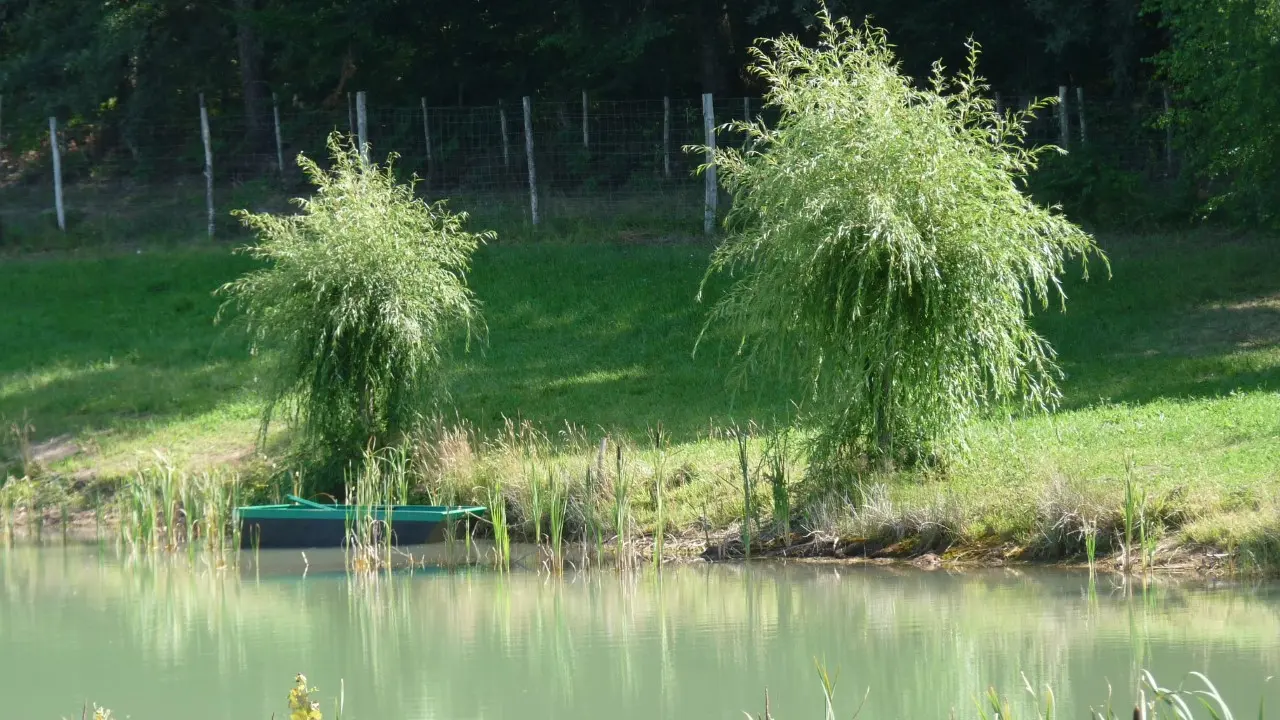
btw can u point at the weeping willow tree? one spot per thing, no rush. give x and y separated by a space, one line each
360 295
883 250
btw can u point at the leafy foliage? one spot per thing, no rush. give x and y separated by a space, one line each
1096 190
362 290
887 255
1223 60
301 706
130 70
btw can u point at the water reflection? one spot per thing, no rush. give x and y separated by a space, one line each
699 641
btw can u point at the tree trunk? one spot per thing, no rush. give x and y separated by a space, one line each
884 411
1123 16
253 88
712 24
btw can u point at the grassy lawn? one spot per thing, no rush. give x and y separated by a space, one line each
1171 377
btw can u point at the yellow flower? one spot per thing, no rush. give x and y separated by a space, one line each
301 707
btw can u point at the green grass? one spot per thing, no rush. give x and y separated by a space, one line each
1171 364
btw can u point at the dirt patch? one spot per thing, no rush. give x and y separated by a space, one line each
55 450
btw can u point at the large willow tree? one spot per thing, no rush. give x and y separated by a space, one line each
884 250
359 297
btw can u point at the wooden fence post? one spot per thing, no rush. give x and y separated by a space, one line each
586 141
1064 122
275 111
506 142
426 137
1084 132
528 151
351 116
711 190
57 173
362 125
666 137
208 161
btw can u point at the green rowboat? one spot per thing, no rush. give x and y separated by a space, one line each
305 524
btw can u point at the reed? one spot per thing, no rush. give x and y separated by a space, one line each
450 529
467 538
371 490
1147 537
660 520
537 501
37 514
1155 702
559 507
748 489
163 510
1090 532
8 511
1130 513
501 532
622 513
594 525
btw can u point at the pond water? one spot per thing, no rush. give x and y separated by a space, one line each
702 641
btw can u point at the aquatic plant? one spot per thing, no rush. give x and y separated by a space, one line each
748 488
537 501
301 706
1154 702
559 506
660 520
622 513
501 532
1090 532
371 490
162 509
1131 513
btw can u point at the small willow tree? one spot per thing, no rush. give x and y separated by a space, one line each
361 294
883 250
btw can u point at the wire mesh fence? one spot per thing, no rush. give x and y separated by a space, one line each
579 158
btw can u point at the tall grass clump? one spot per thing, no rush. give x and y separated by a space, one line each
358 298
621 512
377 484
660 518
501 529
559 508
162 509
884 253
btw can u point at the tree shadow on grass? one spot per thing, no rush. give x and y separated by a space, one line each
1200 318
600 335
603 336
121 342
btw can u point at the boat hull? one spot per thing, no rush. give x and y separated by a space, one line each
294 527
326 532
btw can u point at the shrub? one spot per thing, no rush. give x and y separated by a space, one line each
1220 62
359 298
883 249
